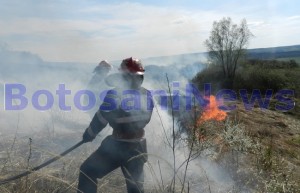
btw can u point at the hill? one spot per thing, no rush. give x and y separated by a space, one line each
256 53
186 66
274 52
251 151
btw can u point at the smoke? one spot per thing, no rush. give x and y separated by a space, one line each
36 74
18 67
202 173
179 68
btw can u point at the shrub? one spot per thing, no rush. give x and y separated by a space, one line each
260 78
273 64
213 75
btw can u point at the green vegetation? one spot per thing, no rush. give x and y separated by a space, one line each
272 74
297 59
271 155
256 74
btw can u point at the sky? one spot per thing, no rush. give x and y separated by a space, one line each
92 30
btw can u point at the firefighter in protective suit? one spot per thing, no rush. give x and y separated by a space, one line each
126 147
97 84
100 72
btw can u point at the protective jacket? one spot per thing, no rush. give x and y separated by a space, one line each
127 112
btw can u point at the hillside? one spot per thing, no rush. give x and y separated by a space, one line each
255 53
186 66
279 136
249 151
274 52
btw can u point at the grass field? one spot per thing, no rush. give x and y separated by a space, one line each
297 59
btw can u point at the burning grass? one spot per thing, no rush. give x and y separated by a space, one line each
259 151
258 148
211 112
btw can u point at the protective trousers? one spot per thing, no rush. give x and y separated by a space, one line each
130 156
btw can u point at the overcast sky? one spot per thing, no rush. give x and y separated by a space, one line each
92 30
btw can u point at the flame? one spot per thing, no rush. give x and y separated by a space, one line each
212 112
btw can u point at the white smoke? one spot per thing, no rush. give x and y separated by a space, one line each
202 173
35 74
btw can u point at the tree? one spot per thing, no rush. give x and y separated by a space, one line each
226 44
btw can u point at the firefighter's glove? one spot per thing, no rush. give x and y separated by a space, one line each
87 137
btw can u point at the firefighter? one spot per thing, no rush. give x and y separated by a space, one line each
97 84
126 147
101 72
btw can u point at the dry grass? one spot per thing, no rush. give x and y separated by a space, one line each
61 176
260 150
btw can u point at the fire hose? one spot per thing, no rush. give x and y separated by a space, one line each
42 165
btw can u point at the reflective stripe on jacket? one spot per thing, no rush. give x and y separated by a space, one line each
127 112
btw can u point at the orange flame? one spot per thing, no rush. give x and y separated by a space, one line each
212 112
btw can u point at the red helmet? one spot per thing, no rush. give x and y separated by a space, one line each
103 65
132 66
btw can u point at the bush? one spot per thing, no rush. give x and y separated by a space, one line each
273 64
260 78
213 75
254 74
